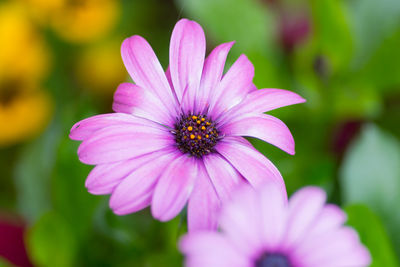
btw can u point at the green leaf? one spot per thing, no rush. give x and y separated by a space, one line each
50 242
372 234
370 174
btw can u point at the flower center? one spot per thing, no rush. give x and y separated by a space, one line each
273 260
196 135
9 91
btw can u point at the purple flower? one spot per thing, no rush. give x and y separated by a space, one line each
177 136
260 228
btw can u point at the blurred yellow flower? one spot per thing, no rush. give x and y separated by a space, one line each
24 62
77 20
23 52
22 115
100 67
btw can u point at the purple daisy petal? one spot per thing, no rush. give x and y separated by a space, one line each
223 176
121 142
132 99
135 191
335 248
260 101
174 187
274 222
186 57
234 86
168 75
250 163
304 207
105 177
330 218
145 69
220 252
211 76
241 221
264 127
85 128
204 204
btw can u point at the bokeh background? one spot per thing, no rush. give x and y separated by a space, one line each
60 62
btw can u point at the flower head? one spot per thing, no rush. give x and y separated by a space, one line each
20 89
261 228
82 21
177 136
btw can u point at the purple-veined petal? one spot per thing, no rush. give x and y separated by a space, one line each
87 127
234 86
204 204
135 191
186 57
260 101
212 73
250 163
105 177
121 142
264 127
168 75
174 187
219 251
223 176
146 71
133 99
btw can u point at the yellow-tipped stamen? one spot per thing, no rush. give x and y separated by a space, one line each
190 128
192 136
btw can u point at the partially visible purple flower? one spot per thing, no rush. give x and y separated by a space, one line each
261 228
177 136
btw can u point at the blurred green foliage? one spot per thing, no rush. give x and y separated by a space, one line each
370 174
372 234
344 61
